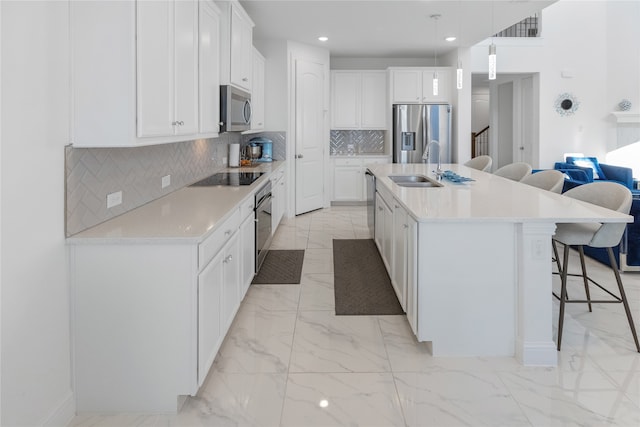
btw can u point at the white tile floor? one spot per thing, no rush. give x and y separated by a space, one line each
288 360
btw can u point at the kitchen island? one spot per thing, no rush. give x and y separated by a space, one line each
471 262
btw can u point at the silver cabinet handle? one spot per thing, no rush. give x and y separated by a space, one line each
181 123
299 156
178 123
405 226
227 233
228 259
245 79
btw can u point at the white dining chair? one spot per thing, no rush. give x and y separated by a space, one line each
514 171
481 163
611 196
550 180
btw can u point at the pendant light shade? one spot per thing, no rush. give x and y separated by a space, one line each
435 83
492 61
435 73
459 75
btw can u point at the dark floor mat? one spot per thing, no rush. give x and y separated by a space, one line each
280 267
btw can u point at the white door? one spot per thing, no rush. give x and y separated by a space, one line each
310 136
527 113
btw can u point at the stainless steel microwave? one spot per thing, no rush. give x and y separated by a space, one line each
235 109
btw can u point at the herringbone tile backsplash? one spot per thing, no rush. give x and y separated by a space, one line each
364 141
92 173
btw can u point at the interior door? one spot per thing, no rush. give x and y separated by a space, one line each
526 122
310 136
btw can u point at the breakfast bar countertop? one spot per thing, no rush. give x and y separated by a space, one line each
185 215
488 198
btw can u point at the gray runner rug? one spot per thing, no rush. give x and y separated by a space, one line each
361 283
280 267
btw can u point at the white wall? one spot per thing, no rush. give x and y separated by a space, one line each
36 376
575 40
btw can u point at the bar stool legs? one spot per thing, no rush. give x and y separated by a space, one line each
564 299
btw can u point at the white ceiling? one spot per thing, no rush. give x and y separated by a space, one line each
386 28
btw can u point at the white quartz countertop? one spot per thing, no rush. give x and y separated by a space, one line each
488 198
186 215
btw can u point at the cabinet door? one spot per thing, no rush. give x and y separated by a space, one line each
399 253
210 332
241 49
444 81
406 86
345 98
379 222
247 253
209 69
412 274
257 92
231 282
155 73
374 100
186 67
348 183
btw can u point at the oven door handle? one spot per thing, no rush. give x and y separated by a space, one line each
263 200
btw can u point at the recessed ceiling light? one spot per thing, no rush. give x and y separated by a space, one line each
450 38
323 38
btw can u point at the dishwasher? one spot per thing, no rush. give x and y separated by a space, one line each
371 202
263 223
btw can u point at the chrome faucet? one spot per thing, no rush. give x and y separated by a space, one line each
425 157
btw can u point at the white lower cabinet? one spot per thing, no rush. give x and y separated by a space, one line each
148 323
399 253
278 192
210 334
349 183
396 237
247 253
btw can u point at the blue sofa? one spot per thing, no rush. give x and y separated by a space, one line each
581 170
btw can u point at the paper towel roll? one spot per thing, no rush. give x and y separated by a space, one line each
234 155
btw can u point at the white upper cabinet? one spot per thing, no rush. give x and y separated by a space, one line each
236 46
415 85
167 67
358 99
142 85
257 92
209 69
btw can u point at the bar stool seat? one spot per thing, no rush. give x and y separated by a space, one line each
481 163
609 195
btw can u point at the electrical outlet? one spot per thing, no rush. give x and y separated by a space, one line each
224 160
166 181
114 199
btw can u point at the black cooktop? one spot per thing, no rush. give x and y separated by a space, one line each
229 178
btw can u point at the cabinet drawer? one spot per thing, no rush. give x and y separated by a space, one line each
376 160
223 231
348 162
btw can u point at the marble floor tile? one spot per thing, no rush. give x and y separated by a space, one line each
272 297
455 398
237 400
318 261
324 342
316 292
341 399
560 398
258 341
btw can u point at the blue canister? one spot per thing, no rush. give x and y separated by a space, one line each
267 148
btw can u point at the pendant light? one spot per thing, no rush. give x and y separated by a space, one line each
459 69
492 52
435 73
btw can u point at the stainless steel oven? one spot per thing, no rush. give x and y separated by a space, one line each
263 223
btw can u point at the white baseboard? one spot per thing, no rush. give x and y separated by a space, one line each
63 413
537 354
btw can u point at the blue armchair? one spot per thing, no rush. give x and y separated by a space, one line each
581 170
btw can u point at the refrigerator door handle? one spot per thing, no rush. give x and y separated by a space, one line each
425 141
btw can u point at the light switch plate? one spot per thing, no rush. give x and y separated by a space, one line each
114 199
166 181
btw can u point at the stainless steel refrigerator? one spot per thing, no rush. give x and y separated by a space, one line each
416 125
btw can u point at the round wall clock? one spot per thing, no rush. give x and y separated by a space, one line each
566 104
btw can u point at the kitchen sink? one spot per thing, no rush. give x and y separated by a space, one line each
415 181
